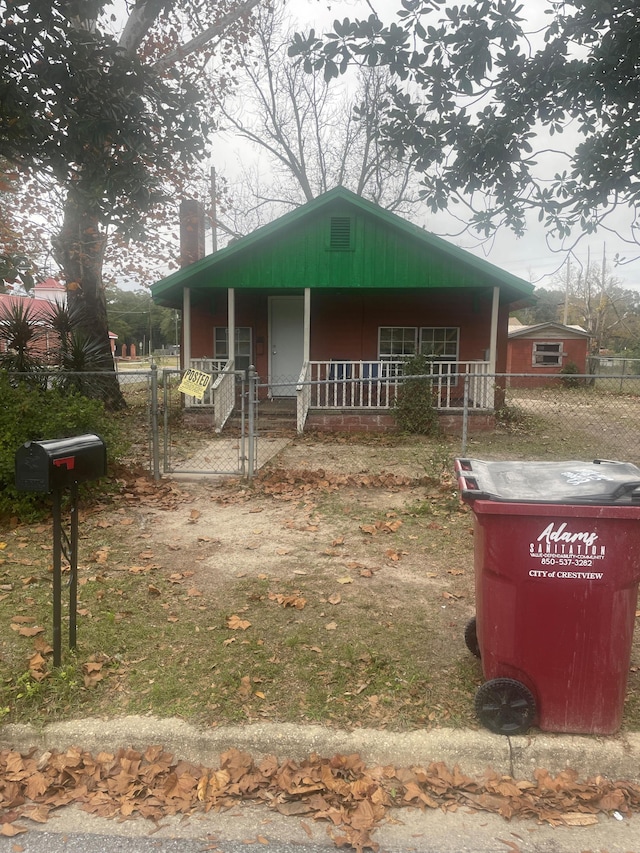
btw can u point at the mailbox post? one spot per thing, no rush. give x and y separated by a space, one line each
51 467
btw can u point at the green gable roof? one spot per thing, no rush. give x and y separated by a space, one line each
340 240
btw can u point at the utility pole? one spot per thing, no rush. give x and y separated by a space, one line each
566 292
214 211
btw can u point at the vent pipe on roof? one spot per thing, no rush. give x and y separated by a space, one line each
192 246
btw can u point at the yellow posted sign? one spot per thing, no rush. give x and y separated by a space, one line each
194 383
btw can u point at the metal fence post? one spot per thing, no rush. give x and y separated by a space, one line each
166 404
244 402
155 433
252 398
465 414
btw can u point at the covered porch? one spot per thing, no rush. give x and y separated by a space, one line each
292 342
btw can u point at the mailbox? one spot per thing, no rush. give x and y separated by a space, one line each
45 466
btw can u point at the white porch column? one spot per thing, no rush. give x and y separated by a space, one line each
186 328
231 322
493 343
306 356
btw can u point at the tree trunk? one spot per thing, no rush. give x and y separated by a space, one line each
79 249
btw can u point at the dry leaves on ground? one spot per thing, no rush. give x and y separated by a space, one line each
286 484
352 798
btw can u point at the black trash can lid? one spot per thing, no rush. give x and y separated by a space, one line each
599 482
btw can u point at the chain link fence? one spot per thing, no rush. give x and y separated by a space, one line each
567 417
591 416
558 418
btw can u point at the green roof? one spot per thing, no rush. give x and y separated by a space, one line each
293 252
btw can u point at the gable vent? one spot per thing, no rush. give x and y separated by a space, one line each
340 240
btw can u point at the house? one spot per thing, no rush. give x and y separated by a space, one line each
545 349
326 303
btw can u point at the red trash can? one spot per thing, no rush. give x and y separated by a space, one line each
557 566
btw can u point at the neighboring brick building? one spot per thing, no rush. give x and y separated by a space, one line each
544 349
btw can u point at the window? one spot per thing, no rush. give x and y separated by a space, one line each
547 354
242 354
439 342
397 342
340 237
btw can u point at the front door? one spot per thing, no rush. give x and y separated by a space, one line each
286 344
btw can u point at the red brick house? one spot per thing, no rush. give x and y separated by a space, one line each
328 300
545 349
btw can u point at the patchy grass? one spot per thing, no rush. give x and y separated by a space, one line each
335 640
310 597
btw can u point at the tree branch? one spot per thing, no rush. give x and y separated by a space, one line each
205 36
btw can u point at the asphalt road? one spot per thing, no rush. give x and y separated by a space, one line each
46 842
255 828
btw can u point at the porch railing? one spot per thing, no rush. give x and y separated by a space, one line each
374 384
223 391
214 366
346 384
303 396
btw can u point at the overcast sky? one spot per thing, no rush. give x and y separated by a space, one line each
529 257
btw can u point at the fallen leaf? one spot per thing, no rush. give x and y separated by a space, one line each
579 819
293 600
237 624
336 598
244 691
331 626
27 632
10 830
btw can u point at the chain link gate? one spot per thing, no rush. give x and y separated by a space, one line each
205 436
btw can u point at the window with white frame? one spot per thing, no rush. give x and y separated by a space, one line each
242 353
439 342
397 342
440 345
547 354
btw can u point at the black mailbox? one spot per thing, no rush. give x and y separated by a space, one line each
44 466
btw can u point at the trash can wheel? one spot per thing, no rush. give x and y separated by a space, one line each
505 706
471 637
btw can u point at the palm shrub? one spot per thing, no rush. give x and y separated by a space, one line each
23 335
